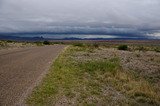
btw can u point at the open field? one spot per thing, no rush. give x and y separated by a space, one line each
86 73
110 42
100 74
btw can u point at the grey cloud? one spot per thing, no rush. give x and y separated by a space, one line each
137 17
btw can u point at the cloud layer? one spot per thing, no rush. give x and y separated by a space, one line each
113 17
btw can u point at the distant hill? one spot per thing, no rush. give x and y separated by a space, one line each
72 38
17 38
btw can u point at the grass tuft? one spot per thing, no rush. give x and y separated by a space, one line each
103 66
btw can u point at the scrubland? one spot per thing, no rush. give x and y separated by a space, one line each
94 74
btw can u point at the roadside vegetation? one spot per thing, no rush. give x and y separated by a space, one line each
9 44
42 43
93 74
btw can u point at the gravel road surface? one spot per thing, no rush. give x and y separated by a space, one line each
22 69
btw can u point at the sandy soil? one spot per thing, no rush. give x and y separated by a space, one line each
21 68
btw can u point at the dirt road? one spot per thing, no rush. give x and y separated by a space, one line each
22 69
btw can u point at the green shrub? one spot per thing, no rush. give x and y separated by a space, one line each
39 43
79 44
58 43
46 43
9 41
123 47
157 49
103 66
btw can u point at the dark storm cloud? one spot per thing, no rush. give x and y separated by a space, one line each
115 17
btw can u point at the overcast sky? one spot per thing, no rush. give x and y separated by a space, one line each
128 17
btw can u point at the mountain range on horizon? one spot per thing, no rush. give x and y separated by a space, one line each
41 38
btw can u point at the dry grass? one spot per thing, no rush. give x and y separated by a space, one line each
13 44
93 75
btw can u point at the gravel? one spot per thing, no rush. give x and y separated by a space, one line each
21 68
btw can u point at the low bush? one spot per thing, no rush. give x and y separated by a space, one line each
79 44
157 50
46 43
123 47
39 43
9 41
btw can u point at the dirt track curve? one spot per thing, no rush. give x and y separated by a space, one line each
22 69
